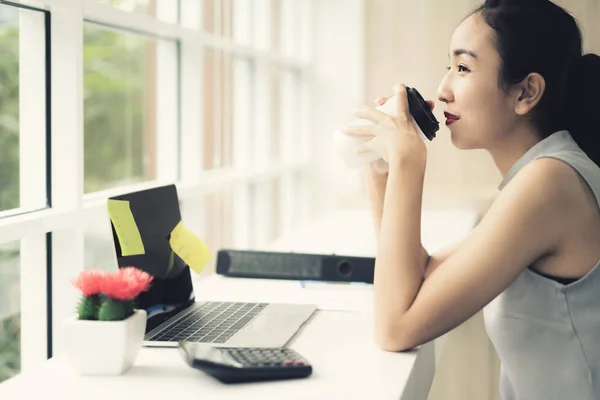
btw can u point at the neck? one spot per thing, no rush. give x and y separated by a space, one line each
507 151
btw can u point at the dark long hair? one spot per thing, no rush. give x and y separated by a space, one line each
539 36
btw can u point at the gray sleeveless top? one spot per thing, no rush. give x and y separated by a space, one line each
546 334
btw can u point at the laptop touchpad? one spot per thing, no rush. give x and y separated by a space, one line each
268 330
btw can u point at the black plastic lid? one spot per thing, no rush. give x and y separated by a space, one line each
422 114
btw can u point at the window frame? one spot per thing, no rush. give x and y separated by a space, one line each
52 239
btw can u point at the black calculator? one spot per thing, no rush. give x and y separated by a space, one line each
245 364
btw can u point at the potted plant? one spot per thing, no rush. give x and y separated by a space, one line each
106 334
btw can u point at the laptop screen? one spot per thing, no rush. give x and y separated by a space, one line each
155 213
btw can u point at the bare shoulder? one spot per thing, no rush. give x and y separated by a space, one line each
570 189
546 207
525 223
572 214
538 204
550 181
556 199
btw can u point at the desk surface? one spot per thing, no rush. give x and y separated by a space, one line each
339 344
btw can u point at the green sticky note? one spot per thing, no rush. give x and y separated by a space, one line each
189 247
126 228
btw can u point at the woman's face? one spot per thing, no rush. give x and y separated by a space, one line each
471 88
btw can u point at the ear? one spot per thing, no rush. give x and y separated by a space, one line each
529 93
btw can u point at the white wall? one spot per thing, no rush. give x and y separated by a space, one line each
339 81
408 41
361 49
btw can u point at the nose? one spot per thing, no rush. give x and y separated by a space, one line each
444 91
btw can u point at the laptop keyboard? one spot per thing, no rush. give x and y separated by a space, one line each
212 322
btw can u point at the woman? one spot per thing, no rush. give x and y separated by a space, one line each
519 87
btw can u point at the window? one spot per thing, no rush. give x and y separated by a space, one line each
122 111
10 311
218 90
242 73
164 10
22 110
219 220
99 249
113 96
9 108
23 145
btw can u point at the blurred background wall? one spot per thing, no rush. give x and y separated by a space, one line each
407 41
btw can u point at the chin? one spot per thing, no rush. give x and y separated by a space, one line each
457 142
461 143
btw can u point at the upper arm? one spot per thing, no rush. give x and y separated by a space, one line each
522 225
436 259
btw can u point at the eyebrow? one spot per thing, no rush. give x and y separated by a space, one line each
459 52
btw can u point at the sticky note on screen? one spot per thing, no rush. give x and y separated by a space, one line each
125 227
189 247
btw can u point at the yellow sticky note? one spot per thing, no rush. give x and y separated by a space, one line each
189 247
126 228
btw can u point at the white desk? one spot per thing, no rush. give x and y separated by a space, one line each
340 345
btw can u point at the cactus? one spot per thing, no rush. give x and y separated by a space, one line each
88 307
114 310
110 297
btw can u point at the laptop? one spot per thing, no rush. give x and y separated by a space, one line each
173 315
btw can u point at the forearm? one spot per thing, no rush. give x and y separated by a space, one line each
375 183
401 258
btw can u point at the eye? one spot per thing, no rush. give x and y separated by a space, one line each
462 68
448 68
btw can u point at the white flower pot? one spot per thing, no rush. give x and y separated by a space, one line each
104 347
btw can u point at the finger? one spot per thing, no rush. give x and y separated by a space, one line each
363 131
364 149
401 95
431 104
372 114
380 100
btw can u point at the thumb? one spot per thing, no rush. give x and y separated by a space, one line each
431 104
380 100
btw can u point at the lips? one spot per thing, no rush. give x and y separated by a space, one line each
450 118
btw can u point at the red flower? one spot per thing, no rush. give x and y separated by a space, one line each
125 284
89 282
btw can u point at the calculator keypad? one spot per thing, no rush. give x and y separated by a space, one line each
261 357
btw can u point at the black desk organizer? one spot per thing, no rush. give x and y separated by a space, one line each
294 266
